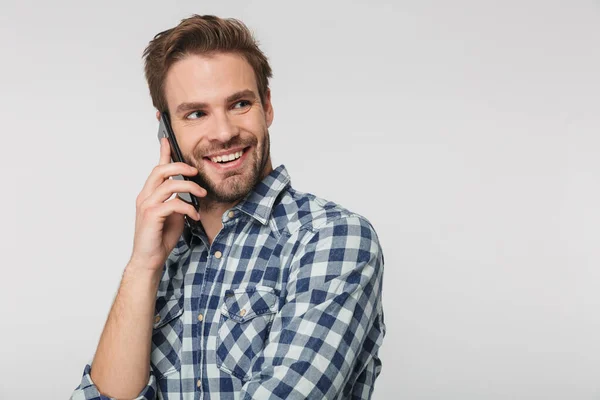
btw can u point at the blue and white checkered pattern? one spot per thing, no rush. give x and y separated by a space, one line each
285 304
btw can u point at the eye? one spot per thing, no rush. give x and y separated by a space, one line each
246 102
195 115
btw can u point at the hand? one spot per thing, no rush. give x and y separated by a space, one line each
159 221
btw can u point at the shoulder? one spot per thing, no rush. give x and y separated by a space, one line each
331 241
310 217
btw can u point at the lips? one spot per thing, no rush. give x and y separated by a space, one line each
229 165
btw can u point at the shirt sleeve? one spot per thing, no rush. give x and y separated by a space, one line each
87 390
324 340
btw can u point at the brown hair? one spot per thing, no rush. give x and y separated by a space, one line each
202 35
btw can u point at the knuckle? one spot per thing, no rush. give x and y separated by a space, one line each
156 170
146 208
171 184
150 211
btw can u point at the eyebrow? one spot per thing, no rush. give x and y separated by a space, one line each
183 107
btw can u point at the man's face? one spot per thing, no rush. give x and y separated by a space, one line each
215 110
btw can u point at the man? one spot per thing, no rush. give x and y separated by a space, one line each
273 293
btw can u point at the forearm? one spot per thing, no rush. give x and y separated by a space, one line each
121 364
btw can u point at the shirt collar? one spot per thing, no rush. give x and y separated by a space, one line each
259 202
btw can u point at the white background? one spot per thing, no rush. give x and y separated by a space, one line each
467 132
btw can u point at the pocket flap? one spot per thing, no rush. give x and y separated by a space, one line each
167 310
242 305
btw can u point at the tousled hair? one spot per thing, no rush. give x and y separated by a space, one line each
204 35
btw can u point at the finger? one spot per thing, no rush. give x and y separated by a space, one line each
170 187
160 174
176 205
165 151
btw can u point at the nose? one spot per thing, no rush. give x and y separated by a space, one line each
224 128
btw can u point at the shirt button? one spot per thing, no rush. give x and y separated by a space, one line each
200 317
230 214
157 319
242 312
199 383
218 254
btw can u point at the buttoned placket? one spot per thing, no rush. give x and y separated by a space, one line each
200 235
213 260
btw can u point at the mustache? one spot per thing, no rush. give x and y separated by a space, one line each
200 153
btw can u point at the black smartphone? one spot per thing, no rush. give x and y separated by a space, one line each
165 130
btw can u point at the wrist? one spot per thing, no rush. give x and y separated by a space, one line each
138 272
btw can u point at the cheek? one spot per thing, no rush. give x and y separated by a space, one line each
252 124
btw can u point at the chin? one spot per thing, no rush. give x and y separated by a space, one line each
231 189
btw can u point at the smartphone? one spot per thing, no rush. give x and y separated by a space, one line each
165 130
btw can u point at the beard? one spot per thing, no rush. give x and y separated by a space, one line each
233 186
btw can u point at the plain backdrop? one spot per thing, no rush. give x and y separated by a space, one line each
467 132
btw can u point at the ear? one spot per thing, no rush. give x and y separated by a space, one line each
268 108
158 115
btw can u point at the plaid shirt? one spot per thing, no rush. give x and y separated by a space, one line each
285 304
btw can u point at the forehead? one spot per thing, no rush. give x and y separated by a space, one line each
207 79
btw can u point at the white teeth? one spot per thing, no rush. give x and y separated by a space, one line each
227 157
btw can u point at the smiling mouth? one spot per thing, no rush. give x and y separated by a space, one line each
228 161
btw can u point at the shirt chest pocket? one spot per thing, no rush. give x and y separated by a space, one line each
167 335
244 325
